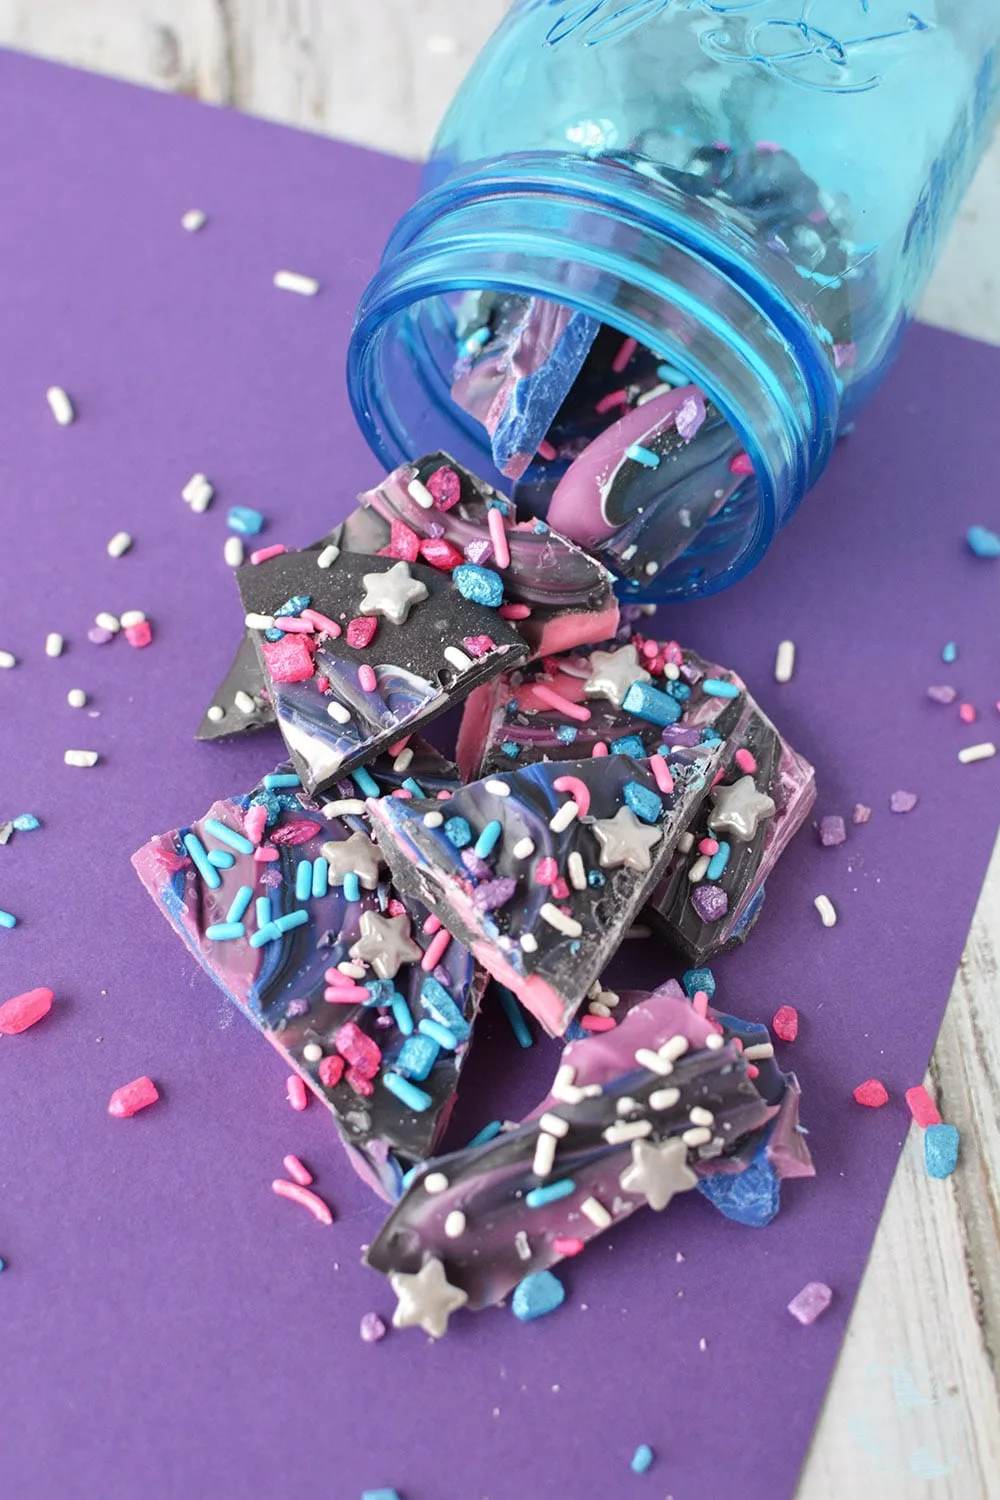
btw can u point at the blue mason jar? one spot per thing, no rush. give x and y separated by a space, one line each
756 190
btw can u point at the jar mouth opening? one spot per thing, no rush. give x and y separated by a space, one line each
633 261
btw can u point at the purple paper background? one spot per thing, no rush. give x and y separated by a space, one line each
170 1328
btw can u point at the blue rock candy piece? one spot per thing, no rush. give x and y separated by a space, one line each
439 1005
25 822
536 1295
481 585
699 979
566 733
595 878
643 802
458 832
642 1459
244 520
511 748
629 744
678 690
752 1197
380 991
649 703
941 1150
984 543
417 1056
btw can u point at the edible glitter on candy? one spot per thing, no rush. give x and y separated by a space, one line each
440 553
922 1106
642 1459
481 585
941 1150
832 831
983 542
537 1295
903 802
872 1093
813 1300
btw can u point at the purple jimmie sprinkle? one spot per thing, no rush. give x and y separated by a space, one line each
494 894
710 902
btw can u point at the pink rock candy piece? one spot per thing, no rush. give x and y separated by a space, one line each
872 1093
445 487
441 554
361 631
22 1011
811 1302
403 542
478 645
131 1097
290 659
139 635
254 822
922 1106
786 1023
903 802
298 832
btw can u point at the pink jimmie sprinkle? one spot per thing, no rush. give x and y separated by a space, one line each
297 1171
600 748
661 774
498 536
514 612
402 793
567 1244
436 950
610 401
264 553
546 451
922 1106
361 631
321 623
367 678
903 802
625 353
546 871
22 1011
556 700
432 925
398 747
598 1023
340 994
708 846
139 635
304 1197
741 464
131 1097
294 625
479 645
295 1090
577 789
699 1002
254 822
967 713
746 762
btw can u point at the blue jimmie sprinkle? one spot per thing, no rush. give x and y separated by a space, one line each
715 687
293 919
509 747
643 802
407 1092
241 901
566 733
228 836
303 880
365 782
383 1494
629 744
949 652
282 779
320 878
225 932
265 935
208 873
262 909
536 1295
481 585
438 1033
489 838
352 887
488 1133
414 787
417 1056
984 543
649 703
672 375
25 822
642 1459
401 1013
458 832
472 345
699 979
941 1150
551 1192
221 859
7 919
244 520
645 456
718 862
512 1010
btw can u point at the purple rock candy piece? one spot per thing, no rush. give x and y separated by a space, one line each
808 1304
832 830
478 550
476 866
372 1328
710 902
494 894
690 416
903 802
942 693
861 814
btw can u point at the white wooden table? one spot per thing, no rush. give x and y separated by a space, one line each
914 1407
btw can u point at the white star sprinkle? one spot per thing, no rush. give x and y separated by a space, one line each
392 594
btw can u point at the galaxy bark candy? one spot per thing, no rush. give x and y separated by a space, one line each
561 595
361 653
297 893
540 871
668 1101
706 901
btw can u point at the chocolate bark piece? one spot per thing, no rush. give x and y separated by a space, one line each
274 934
663 1103
541 871
387 646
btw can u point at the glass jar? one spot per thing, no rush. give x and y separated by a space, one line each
756 190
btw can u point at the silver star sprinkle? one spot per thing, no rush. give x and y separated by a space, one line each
357 853
386 944
392 594
658 1172
739 809
625 841
426 1299
612 673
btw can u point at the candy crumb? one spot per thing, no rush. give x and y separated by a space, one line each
861 813
785 1024
832 830
811 1302
922 1106
941 1150
872 1093
22 1011
642 1459
132 1097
